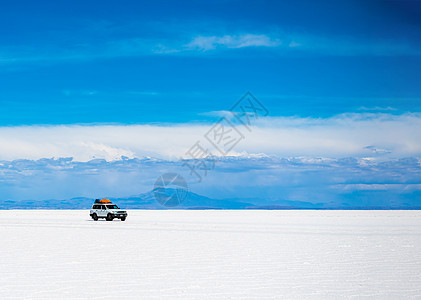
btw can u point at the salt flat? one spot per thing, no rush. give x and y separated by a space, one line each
211 255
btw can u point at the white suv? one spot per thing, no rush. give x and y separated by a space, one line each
107 210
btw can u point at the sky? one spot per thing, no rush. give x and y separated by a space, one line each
96 80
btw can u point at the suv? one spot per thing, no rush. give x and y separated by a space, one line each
105 209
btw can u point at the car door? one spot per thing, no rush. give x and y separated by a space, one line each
96 208
103 211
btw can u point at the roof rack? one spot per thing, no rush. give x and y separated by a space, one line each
102 201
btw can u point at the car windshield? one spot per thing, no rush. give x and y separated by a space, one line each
112 206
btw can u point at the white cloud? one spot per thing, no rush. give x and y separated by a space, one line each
269 178
344 135
205 43
184 41
378 187
218 113
377 108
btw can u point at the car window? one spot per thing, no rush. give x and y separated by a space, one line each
102 206
97 207
112 206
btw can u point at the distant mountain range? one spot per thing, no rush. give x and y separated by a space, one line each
192 201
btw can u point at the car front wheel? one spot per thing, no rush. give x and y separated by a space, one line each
123 219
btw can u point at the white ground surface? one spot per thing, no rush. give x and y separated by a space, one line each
211 255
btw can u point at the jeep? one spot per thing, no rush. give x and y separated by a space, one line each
107 210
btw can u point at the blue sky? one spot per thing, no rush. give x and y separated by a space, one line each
95 80
163 61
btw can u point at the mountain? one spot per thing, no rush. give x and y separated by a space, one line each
142 201
191 201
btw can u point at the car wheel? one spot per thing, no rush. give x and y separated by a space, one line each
95 217
123 219
110 217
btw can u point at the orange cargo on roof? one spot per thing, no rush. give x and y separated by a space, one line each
104 201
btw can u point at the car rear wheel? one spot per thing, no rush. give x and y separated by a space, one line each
110 217
95 217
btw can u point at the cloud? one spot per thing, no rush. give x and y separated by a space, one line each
316 180
182 40
218 113
377 108
356 159
377 150
379 187
205 43
376 135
